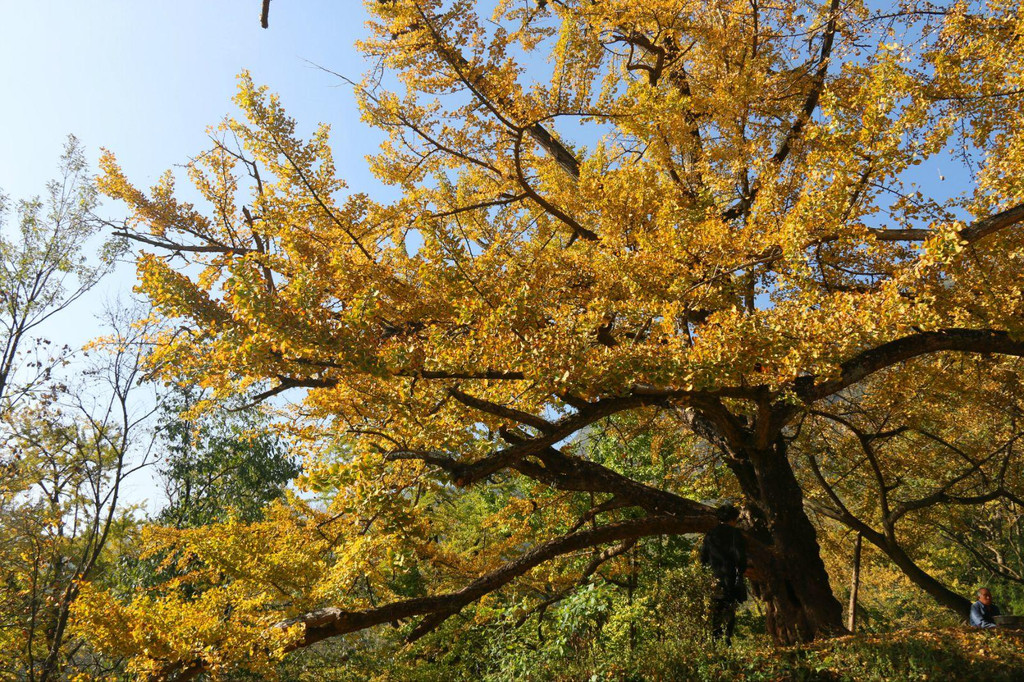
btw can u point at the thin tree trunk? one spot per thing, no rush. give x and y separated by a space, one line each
851 623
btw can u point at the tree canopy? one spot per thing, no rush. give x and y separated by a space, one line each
711 219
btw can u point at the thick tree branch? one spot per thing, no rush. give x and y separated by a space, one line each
510 413
817 86
332 622
943 497
577 229
977 230
468 473
568 472
907 348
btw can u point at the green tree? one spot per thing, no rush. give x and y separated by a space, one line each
222 464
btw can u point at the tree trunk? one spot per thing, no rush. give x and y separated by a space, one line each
792 579
851 623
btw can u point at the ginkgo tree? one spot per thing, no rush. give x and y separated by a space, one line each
707 214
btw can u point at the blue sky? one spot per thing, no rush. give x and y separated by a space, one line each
145 79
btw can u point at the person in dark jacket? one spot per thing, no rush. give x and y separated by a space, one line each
983 611
724 552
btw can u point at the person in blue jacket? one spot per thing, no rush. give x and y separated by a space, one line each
983 611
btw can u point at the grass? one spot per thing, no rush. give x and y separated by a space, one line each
945 654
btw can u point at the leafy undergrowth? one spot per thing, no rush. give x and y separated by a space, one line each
940 655
946 654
